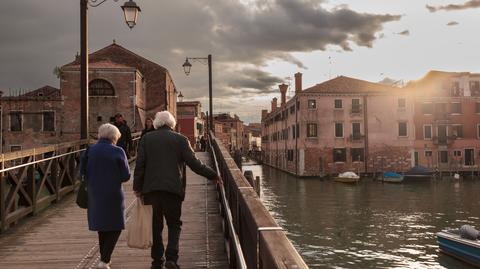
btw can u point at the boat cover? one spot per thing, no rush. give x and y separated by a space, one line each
348 175
391 174
420 170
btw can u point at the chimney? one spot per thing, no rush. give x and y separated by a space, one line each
274 104
264 113
298 82
283 90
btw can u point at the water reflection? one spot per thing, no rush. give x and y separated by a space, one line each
371 224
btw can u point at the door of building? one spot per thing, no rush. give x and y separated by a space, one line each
469 157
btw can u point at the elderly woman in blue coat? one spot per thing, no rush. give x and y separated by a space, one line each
107 168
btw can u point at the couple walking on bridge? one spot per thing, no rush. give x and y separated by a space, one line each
158 179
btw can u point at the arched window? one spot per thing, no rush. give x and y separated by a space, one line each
100 87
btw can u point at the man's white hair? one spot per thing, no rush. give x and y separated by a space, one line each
164 118
109 131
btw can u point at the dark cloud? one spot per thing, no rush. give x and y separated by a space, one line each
405 33
37 35
453 7
452 23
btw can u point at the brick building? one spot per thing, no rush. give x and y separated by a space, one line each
232 131
252 134
447 120
189 120
120 81
343 124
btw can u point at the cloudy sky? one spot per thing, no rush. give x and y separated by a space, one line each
256 44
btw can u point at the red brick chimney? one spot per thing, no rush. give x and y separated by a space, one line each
298 82
283 90
264 113
274 104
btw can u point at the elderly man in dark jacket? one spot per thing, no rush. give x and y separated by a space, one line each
158 176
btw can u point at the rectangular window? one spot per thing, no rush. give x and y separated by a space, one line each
456 89
355 105
311 130
427 131
340 155
428 153
457 153
298 130
48 121
338 130
478 131
16 121
443 156
312 104
477 107
357 155
402 129
293 131
427 108
474 88
298 105
338 103
356 134
456 108
14 148
458 131
402 103
292 109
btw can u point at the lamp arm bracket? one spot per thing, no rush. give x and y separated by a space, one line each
202 60
96 3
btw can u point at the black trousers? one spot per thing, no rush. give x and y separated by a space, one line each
107 242
166 205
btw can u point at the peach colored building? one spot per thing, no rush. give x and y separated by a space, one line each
447 120
343 124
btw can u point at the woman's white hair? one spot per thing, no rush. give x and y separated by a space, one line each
109 131
164 118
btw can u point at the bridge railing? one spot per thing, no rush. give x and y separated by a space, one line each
33 179
263 242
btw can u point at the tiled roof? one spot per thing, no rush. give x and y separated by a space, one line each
102 64
45 91
344 84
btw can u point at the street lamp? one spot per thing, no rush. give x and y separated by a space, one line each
130 11
180 97
187 66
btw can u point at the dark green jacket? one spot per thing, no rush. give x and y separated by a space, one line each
161 157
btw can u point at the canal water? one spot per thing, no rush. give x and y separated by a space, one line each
370 224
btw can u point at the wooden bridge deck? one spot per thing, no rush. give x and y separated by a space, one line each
59 237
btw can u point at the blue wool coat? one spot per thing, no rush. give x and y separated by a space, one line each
107 169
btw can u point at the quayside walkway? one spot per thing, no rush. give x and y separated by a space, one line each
223 226
59 237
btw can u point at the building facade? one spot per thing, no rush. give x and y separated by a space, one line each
120 81
190 122
232 130
341 125
447 121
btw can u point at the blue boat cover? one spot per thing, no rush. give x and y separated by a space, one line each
391 175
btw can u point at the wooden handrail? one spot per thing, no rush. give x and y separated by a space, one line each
263 242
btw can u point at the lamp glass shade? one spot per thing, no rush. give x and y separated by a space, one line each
187 66
130 11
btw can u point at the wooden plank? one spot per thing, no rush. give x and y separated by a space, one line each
59 237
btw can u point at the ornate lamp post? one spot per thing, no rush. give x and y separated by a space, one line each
180 97
187 66
130 10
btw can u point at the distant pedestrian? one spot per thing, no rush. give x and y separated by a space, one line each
148 127
125 141
203 143
106 169
158 176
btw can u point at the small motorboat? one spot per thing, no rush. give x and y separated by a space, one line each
453 244
392 177
419 172
347 177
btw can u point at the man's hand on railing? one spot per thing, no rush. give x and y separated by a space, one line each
218 180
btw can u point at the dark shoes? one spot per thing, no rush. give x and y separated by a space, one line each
171 265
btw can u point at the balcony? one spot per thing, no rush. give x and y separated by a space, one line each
356 109
443 140
441 116
356 138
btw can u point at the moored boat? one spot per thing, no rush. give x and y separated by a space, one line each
347 177
392 177
419 172
451 243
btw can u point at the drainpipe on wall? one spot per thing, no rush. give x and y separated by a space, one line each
365 130
134 97
296 136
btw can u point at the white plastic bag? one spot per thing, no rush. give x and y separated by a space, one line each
139 227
